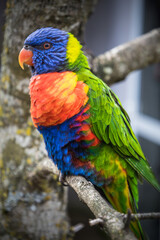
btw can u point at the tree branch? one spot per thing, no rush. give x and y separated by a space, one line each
112 220
143 216
114 65
38 176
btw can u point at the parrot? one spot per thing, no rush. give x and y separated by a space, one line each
85 128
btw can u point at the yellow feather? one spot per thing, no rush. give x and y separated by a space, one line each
73 49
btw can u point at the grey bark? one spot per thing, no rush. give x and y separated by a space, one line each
27 210
114 65
113 223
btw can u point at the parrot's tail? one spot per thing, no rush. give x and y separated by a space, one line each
123 206
137 229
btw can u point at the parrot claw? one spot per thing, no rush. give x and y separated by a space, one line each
127 219
108 180
62 179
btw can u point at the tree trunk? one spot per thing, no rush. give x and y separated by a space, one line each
30 210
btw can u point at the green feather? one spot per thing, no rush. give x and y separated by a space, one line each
119 151
111 123
143 168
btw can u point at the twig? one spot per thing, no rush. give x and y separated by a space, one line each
77 227
114 65
95 221
143 216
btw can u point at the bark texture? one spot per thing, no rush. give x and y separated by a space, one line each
28 210
114 65
113 223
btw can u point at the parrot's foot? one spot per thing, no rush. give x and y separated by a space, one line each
109 180
127 219
62 179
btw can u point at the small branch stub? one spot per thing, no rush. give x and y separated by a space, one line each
77 227
96 221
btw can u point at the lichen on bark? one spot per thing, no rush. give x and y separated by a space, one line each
28 211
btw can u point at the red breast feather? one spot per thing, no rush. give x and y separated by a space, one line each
56 97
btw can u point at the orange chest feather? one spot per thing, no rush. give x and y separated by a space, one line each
56 97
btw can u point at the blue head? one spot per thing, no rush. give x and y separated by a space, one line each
49 49
52 50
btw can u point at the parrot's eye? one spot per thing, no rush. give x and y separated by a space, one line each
26 47
47 45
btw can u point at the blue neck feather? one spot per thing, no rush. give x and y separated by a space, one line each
65 151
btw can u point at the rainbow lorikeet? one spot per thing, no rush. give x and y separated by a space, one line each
85 128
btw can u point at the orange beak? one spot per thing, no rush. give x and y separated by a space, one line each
25 56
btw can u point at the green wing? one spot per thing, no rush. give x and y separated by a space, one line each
111 124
